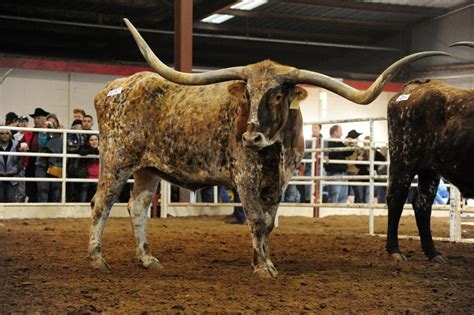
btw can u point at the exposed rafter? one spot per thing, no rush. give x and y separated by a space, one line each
273 33
380 7
315 19
294 40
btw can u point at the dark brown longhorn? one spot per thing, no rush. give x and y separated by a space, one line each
431 135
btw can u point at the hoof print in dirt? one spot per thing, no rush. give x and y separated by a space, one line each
266 273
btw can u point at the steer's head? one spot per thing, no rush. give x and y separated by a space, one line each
269 93
270 88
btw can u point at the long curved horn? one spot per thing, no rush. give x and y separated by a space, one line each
355 95
210 77
464 43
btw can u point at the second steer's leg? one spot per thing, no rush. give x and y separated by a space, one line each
428 182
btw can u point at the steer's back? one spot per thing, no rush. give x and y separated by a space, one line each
185 132
431 125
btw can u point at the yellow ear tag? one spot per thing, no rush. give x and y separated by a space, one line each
295 104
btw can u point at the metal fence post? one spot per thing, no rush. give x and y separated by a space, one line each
455 215
371 180
165 187
64 168
321 172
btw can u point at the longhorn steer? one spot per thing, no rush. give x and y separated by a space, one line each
431 134
241 134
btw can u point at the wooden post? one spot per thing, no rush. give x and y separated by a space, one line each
183 30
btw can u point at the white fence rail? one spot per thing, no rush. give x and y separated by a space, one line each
317 183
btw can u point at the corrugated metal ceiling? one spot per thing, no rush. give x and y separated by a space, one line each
332 34
419 3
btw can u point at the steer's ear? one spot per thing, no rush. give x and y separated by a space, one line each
298 93
237 89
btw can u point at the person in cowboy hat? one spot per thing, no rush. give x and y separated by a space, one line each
31 143
358 192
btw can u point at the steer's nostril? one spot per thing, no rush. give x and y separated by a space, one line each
253 138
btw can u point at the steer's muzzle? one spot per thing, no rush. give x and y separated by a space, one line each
255 140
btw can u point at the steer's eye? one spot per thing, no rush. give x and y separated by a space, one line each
278 97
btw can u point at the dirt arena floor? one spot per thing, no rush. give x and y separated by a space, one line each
326 265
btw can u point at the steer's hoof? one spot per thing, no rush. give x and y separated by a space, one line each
99 263
399 257
150 262
266 272
440 260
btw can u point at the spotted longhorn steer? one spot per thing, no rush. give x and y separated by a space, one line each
240 134
431 134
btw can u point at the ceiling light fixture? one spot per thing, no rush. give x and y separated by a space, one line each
217 18
248 4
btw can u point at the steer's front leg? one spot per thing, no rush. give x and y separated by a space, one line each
260 223
269 216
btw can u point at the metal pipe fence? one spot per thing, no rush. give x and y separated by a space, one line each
64 160
316 182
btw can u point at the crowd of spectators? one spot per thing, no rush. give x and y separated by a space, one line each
88 168
352 193
47 167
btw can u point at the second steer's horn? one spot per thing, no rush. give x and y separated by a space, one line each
463 43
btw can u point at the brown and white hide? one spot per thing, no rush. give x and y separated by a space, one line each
231 127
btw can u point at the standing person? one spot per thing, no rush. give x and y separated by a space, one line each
87 190
50 167
352 169
10 166
365 170
22 122
337 193
76 168
291 193
381 191
316 140
238 216
87 122
78 114
30 143
207 194
11 120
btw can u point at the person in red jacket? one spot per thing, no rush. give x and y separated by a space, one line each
92 147
30 143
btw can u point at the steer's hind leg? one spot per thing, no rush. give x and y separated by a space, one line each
428 182
111 183
146 182
399 183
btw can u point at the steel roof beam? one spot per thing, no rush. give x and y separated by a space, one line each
365 6
316 19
